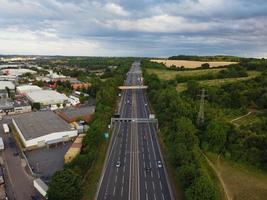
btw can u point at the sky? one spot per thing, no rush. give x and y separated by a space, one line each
155 28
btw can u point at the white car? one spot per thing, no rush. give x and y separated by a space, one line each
159 164
118 164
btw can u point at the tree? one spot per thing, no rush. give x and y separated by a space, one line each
215 136
202 188
65 185
205 66
36 106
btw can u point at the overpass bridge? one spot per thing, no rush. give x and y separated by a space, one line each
135 87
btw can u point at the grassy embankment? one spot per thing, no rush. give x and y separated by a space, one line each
241 182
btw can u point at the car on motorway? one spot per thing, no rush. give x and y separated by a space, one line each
145 104
159 164
118 164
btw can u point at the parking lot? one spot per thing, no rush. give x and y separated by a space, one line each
19 183
46 161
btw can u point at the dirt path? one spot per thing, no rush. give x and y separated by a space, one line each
233 120
218 174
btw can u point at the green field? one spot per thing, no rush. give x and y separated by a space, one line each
218 82
170 74
241 182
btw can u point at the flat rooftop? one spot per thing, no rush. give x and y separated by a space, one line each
6 104
79 111
4 84
28 88
37 124
46 96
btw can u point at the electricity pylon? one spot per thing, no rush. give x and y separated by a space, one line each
201 113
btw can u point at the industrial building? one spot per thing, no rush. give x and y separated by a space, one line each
79 113
24 89
8 107
21 106
74 149
38 129
48 98
6 84
77 86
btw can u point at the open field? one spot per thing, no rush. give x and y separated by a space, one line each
240 182
170 74
217 82
191 64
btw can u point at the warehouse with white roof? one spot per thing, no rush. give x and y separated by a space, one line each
48 98
38 129
7 84
24 89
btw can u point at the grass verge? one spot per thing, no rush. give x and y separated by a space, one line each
91 180
242 182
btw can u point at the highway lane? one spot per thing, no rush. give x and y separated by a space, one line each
113 176
135 146
114 184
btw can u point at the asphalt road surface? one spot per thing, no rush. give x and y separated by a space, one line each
134 168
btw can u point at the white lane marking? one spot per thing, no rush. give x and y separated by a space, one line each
158 175
152 174
123 168
122 191
153 185
123 179
160 185
116 178
146 196
162 196
146 185
155 196
114 190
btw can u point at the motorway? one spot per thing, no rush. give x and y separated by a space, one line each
135 146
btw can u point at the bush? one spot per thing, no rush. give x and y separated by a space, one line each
65 185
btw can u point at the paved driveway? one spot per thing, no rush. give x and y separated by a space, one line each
18 183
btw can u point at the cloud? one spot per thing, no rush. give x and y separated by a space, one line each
116 9
161 23
140 27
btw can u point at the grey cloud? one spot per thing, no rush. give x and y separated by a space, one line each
142 27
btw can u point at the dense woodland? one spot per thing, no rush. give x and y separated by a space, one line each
185 140
67 184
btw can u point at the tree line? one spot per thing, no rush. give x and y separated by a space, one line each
177 116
